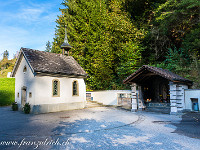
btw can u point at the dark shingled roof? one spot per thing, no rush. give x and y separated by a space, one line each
51 63
156 71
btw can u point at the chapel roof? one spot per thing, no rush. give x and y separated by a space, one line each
146 70
42 62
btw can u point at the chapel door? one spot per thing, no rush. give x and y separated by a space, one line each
23 98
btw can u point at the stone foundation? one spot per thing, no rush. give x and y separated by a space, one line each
46 108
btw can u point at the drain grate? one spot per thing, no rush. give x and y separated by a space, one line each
162 122
65 117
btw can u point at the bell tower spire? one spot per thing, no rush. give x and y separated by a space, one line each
65 46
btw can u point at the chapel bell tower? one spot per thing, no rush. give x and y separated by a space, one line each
65 46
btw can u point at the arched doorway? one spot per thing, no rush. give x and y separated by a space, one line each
23 96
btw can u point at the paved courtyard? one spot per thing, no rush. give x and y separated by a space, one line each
98 128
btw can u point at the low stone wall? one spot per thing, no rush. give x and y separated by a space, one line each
107 97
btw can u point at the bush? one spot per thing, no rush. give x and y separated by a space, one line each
27 108
15 106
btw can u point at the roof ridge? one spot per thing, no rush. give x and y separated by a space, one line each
40 51
165 73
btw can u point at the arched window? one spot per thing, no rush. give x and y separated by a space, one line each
75 88
56 87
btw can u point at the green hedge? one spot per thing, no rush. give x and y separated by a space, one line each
7 91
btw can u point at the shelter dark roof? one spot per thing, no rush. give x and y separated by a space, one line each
51 63
156 71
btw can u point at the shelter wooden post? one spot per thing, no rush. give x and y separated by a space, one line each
140 102
134 97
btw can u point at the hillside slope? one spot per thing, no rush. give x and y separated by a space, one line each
7 91
6 66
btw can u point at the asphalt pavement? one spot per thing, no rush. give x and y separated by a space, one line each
189 125
98 128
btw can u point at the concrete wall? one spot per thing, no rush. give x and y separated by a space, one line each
190 94
108 97
40 87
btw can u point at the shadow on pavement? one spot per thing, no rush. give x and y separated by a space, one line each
189 125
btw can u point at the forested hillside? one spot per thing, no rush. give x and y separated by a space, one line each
113 38
6 65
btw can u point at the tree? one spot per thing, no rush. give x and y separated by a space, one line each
6 66
171 23
103 40
48 47
5 54
167 24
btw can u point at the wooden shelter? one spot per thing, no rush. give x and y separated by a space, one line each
157 89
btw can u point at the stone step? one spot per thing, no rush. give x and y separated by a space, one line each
90 104
158 109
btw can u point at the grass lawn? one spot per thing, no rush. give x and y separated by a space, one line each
7 91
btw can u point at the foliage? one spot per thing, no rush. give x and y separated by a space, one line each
7 91
141 11
191 41
113 38
6 66
183 64
5 54
174 37
15 106
48 47
103 38
177 61
172 23
27 108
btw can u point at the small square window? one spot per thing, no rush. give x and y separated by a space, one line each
18 94
25 69
30 94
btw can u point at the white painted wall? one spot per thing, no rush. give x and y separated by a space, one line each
43 91
41 88
191 93
24 79
9 75
108 97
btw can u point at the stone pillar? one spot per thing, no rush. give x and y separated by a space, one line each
181 97
177 95
134 97
173 104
